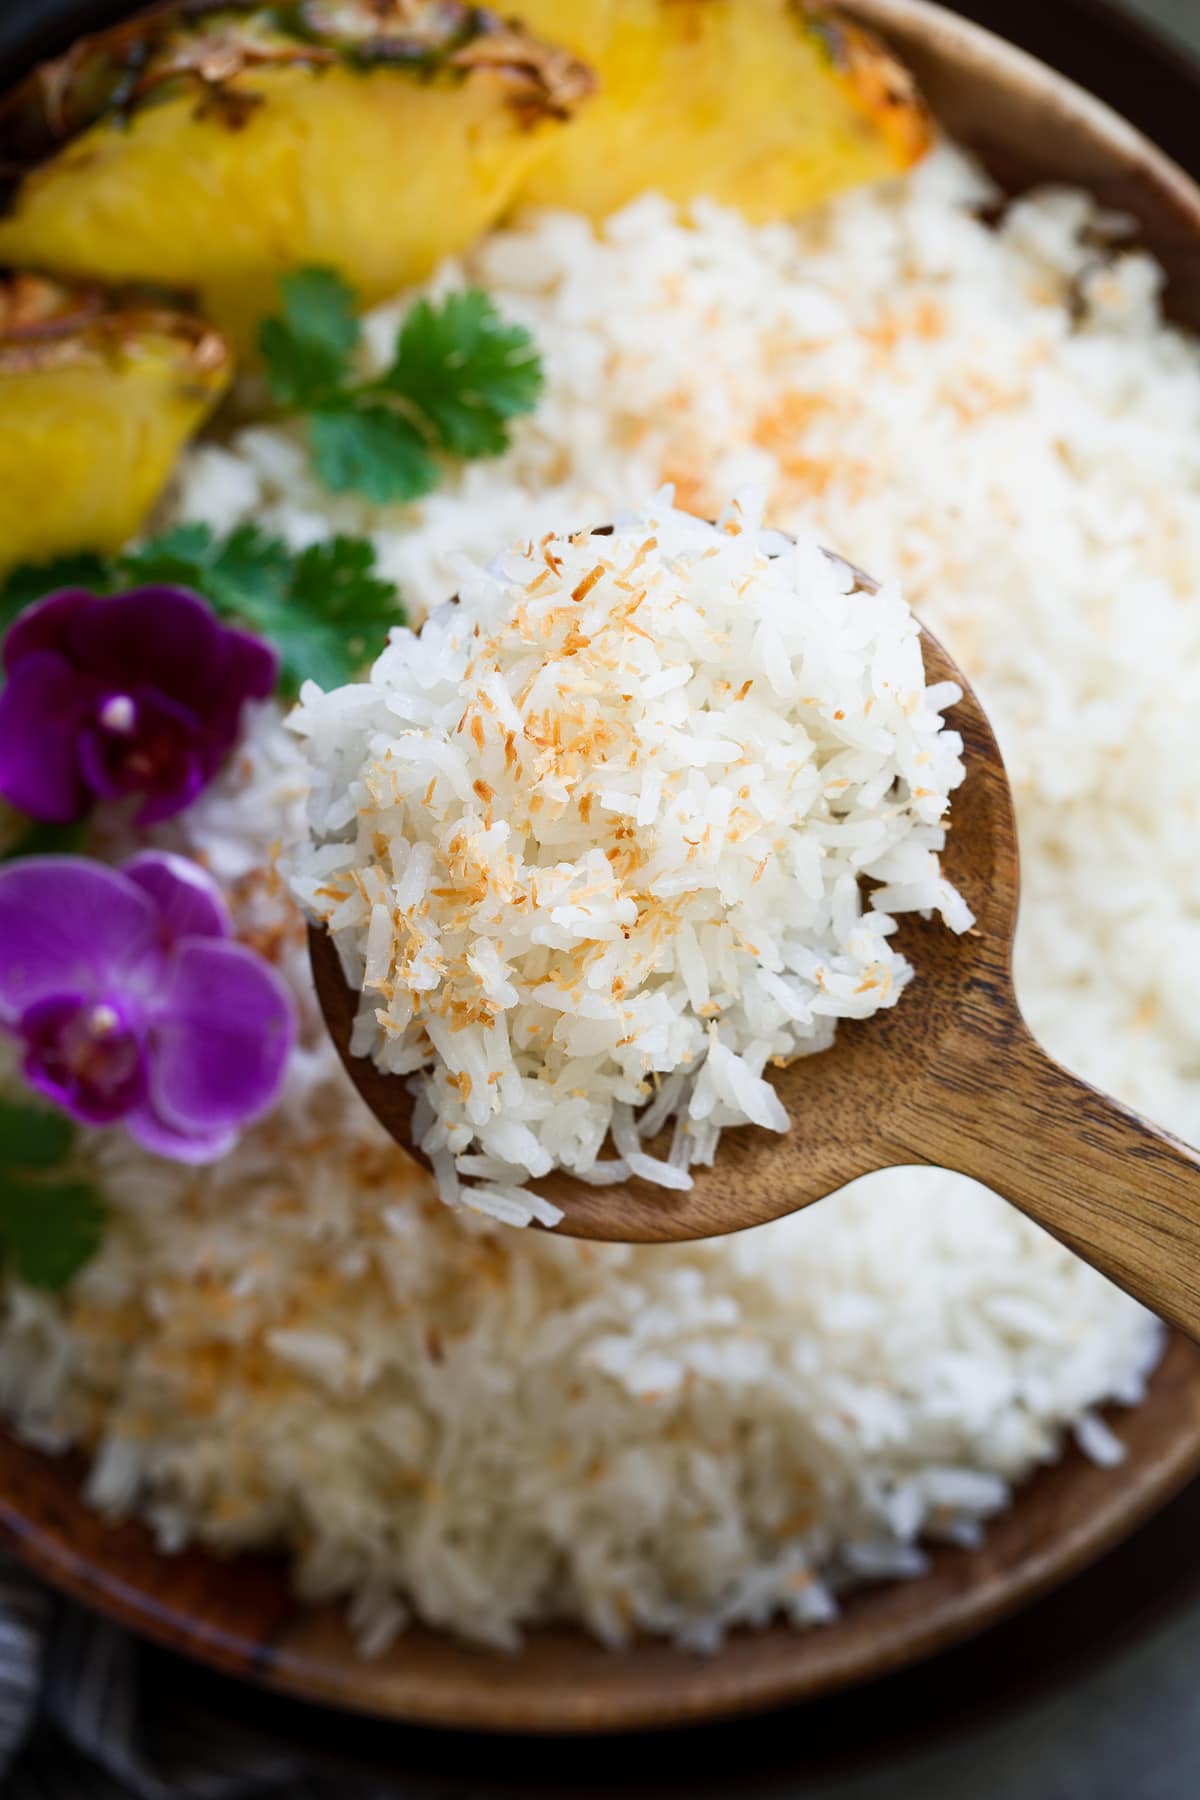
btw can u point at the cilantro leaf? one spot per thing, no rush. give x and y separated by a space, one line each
50 1232
339 574
369 449
47 1229
42 838
243 576
31 1138
318 306
325 608
250 562
32 581
336 581
459 374
466 372
173 556
307 350
317 651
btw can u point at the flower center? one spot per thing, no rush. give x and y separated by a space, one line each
119 715
85 1055
141 743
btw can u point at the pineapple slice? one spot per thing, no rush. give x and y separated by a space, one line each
97 396
767 105
211 149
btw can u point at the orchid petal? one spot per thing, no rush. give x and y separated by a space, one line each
68 925
41 710
141 693
223 1029
250 669
189 901
155 1135
165 638
47 624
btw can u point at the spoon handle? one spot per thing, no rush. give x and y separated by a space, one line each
1114 1188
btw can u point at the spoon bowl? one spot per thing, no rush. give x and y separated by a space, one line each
951 1076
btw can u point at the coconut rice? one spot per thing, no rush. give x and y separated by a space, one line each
441 1417
593 845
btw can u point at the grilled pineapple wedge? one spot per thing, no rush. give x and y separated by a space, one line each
767 105
97 397
211 148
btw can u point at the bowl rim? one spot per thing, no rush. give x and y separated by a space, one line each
562 1683
981 48
977 1588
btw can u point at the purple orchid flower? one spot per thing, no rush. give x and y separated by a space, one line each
133 1004
138 694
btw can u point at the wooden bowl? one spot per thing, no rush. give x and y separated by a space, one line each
1029 125
239 1617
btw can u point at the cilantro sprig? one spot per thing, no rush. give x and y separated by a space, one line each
459 374
325 609
49 1227
41 838
33 581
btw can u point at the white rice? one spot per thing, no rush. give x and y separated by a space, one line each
487 1428
607 823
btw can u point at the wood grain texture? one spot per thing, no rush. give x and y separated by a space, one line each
1030 125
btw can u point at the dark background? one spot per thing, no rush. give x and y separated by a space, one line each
1094 1694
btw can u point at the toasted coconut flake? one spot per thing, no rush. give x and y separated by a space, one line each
583 939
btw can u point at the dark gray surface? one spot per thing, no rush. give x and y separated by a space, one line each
1131 1731
1179 16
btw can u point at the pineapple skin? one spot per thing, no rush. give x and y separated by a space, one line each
97 398
293 153
769 106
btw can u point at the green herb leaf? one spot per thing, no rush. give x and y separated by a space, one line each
50 1232
316 651
325 609
33 581
371 450
43 839
243 576
174 556
250 563
307 351
466 371
31 1138
338 576
47 1229
335 583
319 307
458 376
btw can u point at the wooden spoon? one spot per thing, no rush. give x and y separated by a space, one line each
951 1076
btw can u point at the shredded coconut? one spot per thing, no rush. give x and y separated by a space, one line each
686 1438
615 813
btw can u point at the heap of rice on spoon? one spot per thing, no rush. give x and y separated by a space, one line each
624 825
